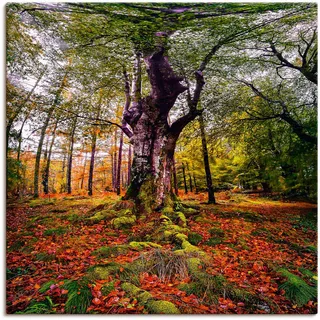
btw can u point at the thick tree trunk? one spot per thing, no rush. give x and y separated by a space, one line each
69 168
152 137
153 149
211 198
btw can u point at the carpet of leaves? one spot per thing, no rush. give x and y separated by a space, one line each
247 256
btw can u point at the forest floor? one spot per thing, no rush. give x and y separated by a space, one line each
259 252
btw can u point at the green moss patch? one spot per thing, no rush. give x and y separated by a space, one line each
143 245
57 231
194 238
162 307
111 251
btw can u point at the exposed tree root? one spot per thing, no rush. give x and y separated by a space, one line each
170 227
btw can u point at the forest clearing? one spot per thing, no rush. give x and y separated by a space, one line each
252 247
161 158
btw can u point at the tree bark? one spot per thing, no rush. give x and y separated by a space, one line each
118 184
84 171
93 151
175 180
190 179
211 198
15 115
153 138
115 154
39 149
70 155
129 163
184 178
42 135
46 173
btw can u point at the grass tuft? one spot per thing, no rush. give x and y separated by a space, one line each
296 289
79 296
42 307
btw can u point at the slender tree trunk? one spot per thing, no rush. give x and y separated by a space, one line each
175 180
46 173
115 154
91 168
211 198
42 135
84 171
112 171
129 163
12 119
70 155
118 184
63 184
190 179
195 184
184 178
93 151
38 155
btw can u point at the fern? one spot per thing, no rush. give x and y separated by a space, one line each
79 296
42 307
296 289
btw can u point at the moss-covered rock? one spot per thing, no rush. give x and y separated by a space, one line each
123 221
143 245
107 214
167 211
162 307
102 272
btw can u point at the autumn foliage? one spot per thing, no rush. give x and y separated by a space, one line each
248 240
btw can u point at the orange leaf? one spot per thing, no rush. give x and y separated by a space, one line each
37 286
96 301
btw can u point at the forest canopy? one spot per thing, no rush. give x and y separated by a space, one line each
76 70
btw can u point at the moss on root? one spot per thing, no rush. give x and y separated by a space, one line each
102 272
124 221
103 215
162 307
106 252
145 298
141 295
143 245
